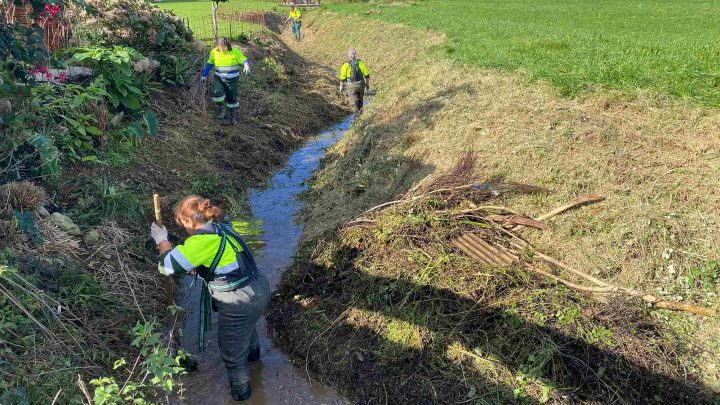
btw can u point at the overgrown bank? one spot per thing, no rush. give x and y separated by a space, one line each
385 308
80 297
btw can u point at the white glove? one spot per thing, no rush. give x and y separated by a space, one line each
246 69
158 233
203 78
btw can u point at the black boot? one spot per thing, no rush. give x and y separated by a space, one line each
231 116
240 392
221 113
254 355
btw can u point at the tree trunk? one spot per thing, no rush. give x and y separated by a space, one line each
214 20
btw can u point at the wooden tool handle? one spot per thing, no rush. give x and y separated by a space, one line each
167 282
156 206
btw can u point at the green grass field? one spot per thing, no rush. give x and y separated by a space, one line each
669 46
198 15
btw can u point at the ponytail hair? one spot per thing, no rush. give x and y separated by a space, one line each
200 210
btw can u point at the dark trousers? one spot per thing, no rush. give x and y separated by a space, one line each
238 312
355 93
226 90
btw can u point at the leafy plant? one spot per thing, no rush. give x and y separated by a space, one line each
48 154
157 373
174 70
27 224
137 24
61 108
114 68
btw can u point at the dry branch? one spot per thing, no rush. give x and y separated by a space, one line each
580 202
493 254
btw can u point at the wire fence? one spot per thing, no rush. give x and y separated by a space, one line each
232 23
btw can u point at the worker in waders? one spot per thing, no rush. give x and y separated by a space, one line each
354 80
227 62
295 16
231 284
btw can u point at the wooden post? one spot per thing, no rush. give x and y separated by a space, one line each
214 20
158 220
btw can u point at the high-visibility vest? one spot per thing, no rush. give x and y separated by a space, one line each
353 70
227 64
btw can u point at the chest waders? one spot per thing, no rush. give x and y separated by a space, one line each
245 261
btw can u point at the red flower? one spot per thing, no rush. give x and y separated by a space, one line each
62 77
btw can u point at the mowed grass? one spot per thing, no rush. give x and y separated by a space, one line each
668 46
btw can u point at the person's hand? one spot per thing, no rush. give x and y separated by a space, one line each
246 69
158 233
203 78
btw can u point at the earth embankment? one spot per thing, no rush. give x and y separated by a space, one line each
383 305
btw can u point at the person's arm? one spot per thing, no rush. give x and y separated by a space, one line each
242 59
208 66
343 77
173 260
366 74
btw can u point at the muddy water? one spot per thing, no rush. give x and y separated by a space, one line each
275 380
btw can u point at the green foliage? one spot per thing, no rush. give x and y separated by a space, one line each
157 374
48 154
19 47
27 224
98 199
705 276
137 24
174 70
64 109
113 66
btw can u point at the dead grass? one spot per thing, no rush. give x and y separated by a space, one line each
653 158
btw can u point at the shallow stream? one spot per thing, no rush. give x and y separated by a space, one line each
275 380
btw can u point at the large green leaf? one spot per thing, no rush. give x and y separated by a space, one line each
48 154
130 102
152 123
27 225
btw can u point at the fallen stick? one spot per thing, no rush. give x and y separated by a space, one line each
158 220
580 202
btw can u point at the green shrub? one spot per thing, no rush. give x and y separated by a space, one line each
124 87
136 24
66 111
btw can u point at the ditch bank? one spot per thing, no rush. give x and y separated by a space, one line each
379 302
80 293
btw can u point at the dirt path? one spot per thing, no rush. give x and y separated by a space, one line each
275 380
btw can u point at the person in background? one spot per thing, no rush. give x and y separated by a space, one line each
232 284
295 15
354 80
227 62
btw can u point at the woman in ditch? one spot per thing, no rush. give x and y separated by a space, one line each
232 285
227 62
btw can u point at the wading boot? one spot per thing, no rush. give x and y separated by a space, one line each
254 355
240 392
231 116
221 113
